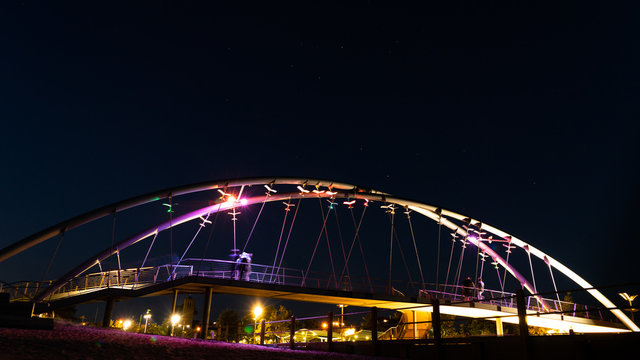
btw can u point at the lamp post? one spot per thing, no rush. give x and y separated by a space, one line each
175 318
630 299
146 317
342 306
257 311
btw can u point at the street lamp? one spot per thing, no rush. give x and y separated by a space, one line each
342 306
175 318
630 299
126 324
146 317
257 311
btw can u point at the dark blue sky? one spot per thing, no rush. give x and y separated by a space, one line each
523 116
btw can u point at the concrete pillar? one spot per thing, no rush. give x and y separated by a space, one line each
436 323
499 327
415 327
522 314
292 333
208 294
374 328
522 323
108 312
330 332
174 299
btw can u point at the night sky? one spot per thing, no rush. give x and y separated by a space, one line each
522 115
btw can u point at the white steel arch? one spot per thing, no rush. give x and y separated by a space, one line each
340 190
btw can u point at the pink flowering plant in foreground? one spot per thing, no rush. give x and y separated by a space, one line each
81 342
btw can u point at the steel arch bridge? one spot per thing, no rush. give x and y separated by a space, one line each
90 280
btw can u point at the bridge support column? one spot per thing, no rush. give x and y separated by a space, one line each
522 314
208 294
292 333
436 323
522 323
108 311
374 329
330 332
174 300
415 321
499 327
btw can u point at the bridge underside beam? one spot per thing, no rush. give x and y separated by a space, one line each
198 285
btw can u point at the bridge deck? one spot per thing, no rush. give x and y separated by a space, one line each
198 284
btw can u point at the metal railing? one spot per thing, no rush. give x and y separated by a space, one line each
135 278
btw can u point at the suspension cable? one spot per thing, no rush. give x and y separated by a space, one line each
495 264
509 247
113 235
533 277
326 233
438 252
479 233
202 225
535 288
284 222
170 230
475 281
234 219
295 214
119 269
546 260
344 256
392 215
113 224
145 258
460 261
453 243
353 242
415 247
404 261
55 252
53 256
366 269
268 193
324 224
206 246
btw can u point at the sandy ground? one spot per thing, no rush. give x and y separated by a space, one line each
76 342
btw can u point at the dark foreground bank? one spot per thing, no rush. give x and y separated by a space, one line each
78 342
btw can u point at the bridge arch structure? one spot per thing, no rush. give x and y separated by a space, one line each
230 195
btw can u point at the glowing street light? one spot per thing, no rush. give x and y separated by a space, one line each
342 306
257 311
175 318
630 299
146 317
126 324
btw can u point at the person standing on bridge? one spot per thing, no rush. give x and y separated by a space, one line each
244 262
480 289
233 264
467 288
